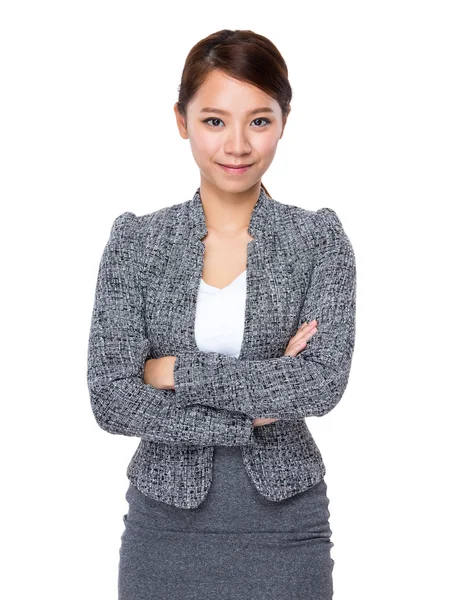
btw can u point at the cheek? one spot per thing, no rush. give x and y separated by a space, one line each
267 147
203 144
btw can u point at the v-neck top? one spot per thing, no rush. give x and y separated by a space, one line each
220 316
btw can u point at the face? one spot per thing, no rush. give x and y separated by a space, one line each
230 122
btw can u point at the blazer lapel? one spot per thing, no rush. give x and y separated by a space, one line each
172 304
261 292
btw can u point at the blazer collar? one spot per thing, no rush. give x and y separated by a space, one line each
258 220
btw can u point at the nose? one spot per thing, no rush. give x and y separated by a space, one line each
237 142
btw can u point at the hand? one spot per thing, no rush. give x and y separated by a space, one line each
159 372
300 339
295 345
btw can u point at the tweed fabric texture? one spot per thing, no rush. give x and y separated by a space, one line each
300 266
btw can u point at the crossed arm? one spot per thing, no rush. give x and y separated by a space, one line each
117 350
289 387
216 397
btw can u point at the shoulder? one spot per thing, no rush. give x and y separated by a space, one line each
319 226
130 225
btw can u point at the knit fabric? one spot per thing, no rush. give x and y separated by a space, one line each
300 266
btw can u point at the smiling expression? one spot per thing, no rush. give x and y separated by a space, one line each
232 123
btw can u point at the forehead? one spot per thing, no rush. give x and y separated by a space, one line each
222 91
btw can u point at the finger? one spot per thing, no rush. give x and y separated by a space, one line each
306 334
300 340
305 328
308 325
295 347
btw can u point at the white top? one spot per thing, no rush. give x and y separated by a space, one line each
220 316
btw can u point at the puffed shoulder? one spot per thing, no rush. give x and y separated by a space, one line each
123 223
328 218
124 238
330 229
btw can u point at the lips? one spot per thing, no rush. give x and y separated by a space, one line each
235 170
235 166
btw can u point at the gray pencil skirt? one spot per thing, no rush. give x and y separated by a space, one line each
236 545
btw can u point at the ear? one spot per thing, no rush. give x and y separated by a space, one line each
284 122
180 122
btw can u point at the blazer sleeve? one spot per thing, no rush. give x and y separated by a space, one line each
289 387
117 350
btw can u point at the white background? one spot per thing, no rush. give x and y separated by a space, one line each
88 132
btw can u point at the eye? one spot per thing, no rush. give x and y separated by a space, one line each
267 121
262 119
212 119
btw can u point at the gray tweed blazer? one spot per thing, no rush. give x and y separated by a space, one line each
300 266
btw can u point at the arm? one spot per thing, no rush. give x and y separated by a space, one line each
309 384
117 350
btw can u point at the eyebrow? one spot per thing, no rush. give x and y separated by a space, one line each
209 109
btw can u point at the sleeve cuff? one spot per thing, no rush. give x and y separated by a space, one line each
188 376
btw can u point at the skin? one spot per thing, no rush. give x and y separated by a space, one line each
237 137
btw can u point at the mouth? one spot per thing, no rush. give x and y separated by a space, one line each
236 170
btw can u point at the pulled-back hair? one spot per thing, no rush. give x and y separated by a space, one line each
243 55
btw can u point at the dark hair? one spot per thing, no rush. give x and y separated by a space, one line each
242 54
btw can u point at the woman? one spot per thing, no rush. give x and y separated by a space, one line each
203 313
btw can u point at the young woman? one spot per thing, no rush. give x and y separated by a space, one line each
219 325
